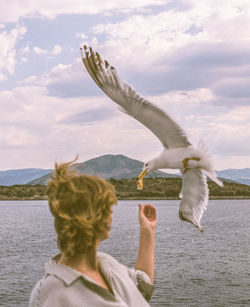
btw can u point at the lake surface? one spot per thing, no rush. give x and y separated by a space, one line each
192 268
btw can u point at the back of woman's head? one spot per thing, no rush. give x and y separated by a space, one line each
81 206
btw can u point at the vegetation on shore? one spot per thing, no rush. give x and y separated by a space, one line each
154 188
23 192
169 188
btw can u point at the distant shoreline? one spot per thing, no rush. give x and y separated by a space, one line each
154 189
135 198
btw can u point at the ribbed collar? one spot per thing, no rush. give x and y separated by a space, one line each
69 275
61 271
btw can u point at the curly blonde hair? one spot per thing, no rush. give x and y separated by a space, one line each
81 206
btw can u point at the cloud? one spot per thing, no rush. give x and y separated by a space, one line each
230 139
90 116
156 35
43 122
222 68
177 50
69 81
225 21
43 52
8 53
234 87
201 111
2 77
14 137
81 35
92 126
191 60
12 10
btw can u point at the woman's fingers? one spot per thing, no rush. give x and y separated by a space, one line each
140 209
147 215
150 212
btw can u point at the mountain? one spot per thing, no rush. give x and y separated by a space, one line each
21 176
110 166
238 175
107 166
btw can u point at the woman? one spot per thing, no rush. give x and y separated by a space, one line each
79 275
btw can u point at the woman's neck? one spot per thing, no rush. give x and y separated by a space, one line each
87 264
83 263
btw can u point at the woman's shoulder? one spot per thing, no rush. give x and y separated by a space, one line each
107 259
44 288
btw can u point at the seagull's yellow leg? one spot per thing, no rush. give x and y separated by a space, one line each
185 163
195 158
185 170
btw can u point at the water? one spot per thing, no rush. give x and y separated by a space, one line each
192 268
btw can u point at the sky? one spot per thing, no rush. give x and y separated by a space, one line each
191 58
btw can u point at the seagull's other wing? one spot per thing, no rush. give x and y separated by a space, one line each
159 122
194 196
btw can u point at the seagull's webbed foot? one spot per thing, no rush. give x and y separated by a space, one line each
189 220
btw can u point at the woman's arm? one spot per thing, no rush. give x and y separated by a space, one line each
145 259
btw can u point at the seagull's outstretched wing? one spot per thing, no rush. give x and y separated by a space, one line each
161 124
194 196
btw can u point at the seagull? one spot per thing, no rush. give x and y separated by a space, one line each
194 163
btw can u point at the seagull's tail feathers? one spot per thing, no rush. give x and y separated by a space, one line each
209 167
213 176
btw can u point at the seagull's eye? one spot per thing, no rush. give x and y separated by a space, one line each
146 164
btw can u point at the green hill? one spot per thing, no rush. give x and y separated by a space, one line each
154 188
110 166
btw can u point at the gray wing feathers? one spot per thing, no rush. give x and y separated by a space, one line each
195 196
159 122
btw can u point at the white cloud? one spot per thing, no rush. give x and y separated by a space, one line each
25 50
195 98
69 81
2 77
187 57
37 128
42 121
195 110
240 115
24 59
11 11
159 36
8 54
155 37
224 20
235 87
43 52
14 137
81 35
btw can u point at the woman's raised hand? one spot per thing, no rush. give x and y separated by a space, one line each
147 216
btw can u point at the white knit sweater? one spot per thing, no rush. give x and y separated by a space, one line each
65 287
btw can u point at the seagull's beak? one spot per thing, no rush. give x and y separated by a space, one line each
140 178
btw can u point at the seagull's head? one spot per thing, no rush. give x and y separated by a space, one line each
148 166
